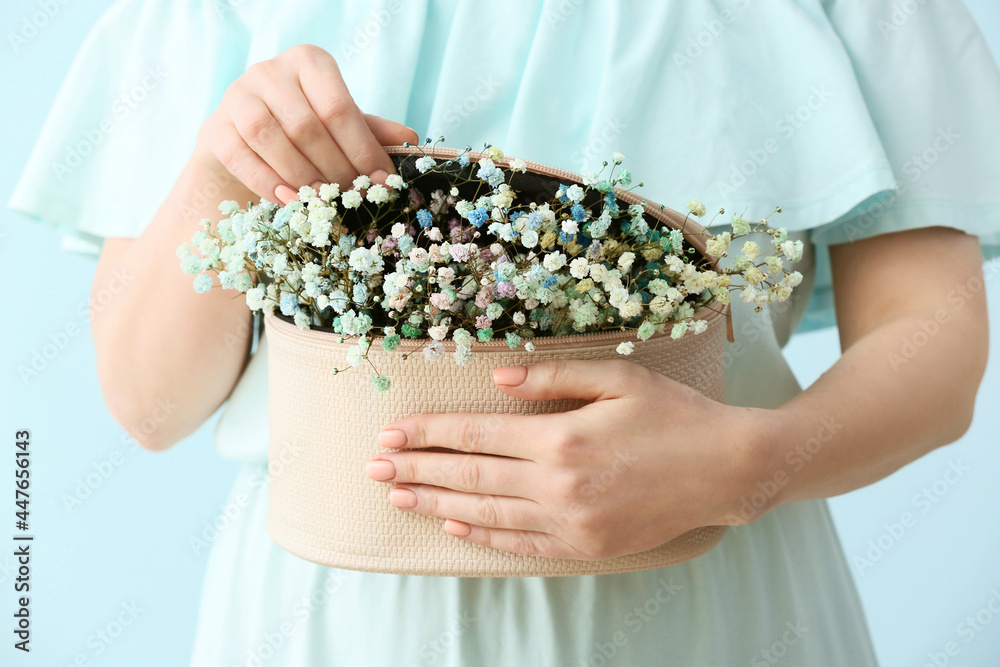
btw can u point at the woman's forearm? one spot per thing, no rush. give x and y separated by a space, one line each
903 388
167 356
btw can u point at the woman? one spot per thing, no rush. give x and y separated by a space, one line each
805 104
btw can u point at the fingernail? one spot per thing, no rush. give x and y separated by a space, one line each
458 528
285 194
391 438
317 185
510 376
380 176
403 498
380 471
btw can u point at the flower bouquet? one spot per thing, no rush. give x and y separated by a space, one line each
387 300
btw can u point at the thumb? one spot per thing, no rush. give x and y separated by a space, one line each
389 132
593 380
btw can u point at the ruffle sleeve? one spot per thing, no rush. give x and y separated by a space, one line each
126 117
932 90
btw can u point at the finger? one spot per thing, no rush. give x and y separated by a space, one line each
305 131
328 95
504 435
524 542
265 135
389 132
242 162
479 509
593 380
469 473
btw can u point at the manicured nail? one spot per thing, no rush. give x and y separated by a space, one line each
403 498
457 527
380 176
510 376
380 471
285 194
317 185
391 438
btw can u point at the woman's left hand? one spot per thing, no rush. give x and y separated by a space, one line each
646 459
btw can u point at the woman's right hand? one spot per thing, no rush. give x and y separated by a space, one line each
290 121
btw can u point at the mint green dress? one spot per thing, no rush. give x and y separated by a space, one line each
856 120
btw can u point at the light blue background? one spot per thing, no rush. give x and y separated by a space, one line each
129 542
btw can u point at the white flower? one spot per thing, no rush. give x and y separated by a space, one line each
529 239
618 296
754 276
792 279
575 193
362 182
329 191
699 326
301 319
554 261
679 329
434 234
625 261
495 153
630 309
518 318
625 348
660 306
517 164
579 268
617 157
394 181
598 272
434 350
425 163
398 230
740 225
255 297
351 199
792 250
718 244
438 332
354 355
570 226
696 207
751 249
529 346
377 194
748 293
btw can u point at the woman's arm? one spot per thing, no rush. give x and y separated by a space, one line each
167 356
912 316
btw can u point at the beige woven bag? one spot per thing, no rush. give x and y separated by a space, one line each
323 429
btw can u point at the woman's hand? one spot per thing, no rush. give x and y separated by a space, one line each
644 461
290 121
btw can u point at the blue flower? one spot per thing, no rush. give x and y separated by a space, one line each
550 282
463 159
289 304
203 283
579 212
534 221
478 216
425 218
360 293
